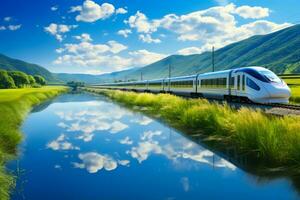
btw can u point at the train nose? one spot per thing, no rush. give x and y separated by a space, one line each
280 93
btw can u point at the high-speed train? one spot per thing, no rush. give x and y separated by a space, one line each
255 84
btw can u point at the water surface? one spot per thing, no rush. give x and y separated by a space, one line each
84 147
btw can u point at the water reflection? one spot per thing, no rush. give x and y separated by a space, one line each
100 144
95 117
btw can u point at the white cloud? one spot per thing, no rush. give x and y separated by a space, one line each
215 26
84 37
148 39
142 121
58 30
54 8
61 143
116 47
249 12
144 149
91 11
124 32
126 140
190 51
124 162
141 23
14 27
145 57
2 28
117 127
94 162
121 11
7 19
148 135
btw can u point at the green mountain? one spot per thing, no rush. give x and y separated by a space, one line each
11 64
278 51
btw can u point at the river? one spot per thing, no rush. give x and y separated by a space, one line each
86 147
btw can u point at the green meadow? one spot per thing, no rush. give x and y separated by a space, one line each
14 107
273 141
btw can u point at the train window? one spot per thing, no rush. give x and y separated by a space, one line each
238 82
214 83
243 82
252 84
232 82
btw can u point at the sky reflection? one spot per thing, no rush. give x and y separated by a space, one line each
94 118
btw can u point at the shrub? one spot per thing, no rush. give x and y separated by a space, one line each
31 80
6 81
20 78
40 80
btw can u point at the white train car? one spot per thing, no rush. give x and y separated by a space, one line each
185 85
256 84
156 85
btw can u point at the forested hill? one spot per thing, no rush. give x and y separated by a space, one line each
278 51
11 64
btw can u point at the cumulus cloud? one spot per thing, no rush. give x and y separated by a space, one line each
7 19
121 11
190 51
126 140
2 28
147 38
94 162
84 37
117 127
91 11
215 26
61 143
58 30
140 22
87 54
142 121
14 27
124 32
254 12
144 57
54 8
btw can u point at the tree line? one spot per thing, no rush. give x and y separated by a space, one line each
17 79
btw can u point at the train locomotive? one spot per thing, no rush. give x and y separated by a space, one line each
255 84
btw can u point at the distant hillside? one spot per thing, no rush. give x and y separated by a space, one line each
11 64
278 51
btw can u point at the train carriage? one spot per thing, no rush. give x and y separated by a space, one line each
256 84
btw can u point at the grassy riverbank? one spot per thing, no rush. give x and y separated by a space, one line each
295 94
14 106
272 140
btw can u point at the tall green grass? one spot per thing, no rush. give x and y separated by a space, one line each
14 106
272 140
295 98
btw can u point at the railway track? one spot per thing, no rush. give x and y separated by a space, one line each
295 109
286 106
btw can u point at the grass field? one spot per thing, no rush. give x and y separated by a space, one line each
271 140
14 106
295 94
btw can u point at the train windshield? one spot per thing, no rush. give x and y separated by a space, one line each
271 76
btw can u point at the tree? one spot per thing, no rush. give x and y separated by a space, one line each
20 78
31 80
40 80
6 81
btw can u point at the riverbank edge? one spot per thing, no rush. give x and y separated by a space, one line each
13 111
273 142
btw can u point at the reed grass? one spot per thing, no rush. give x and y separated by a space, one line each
272 140
295 98
14 106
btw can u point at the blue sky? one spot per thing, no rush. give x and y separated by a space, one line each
95 36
